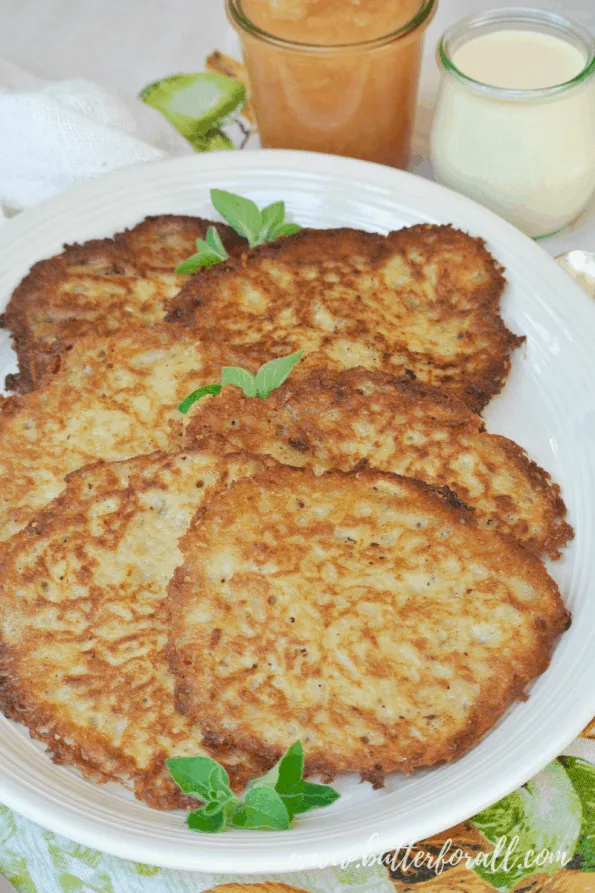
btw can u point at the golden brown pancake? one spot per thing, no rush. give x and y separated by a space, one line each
342 419
99 288
423 301
83 624
112 398
362 613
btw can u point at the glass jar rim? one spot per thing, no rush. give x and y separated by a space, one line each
513 16
238 17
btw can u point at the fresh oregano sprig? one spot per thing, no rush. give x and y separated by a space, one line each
243 215
270 802
271 375
209 251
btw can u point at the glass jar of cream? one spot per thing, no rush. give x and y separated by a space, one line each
514 125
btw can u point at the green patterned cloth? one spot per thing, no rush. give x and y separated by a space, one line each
555 811
38 861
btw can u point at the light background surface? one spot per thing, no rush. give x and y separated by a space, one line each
126 44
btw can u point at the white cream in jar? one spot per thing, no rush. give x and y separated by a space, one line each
514 125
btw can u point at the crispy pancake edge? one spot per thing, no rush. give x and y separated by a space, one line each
342 387
485 714
68 750
36 359
476 393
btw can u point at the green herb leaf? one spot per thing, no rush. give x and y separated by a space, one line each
263 809
197 395
210 824
210 251
272 374
241 378
582 776
201 777
290 767
198 105
544 815
270 803
297 795
241 213
213 240
272 218
306 795
288 229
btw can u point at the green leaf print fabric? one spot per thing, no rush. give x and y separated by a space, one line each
553 813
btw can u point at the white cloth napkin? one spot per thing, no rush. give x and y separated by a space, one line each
56 134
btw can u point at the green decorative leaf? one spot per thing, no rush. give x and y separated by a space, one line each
198 105
209 824
582 776
209 251
306 795
270 803
201 777
203 259
197 395
239 377
213 240
288 229
297 795
286 772
263 809
272 374
543 816
241 213
290 767
272 218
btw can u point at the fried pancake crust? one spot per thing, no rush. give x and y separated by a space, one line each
423 301
362 613
83 622
341 419
99 288
112 398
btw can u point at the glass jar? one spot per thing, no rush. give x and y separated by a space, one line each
529 154
345 98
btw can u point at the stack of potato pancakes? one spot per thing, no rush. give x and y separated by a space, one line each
353 561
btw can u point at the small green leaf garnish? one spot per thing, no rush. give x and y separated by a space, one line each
263 809
196 395
241 378
270 376
199 776
257 227
271 218
209 251
208 824
241 214
270 802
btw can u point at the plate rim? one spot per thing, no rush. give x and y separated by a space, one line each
129 844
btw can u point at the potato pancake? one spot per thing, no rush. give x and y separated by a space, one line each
362 613
98 288
423 301
112 398
84 626
341 419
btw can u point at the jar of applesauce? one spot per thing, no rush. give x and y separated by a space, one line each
336 76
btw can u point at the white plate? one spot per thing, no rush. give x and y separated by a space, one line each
547 406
